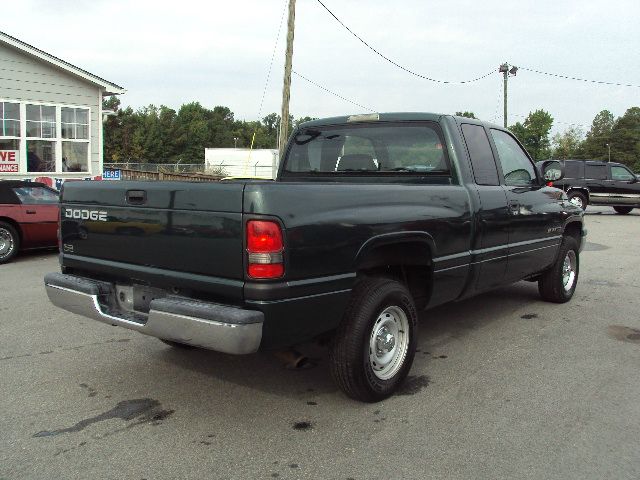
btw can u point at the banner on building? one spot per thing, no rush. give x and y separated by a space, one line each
9 161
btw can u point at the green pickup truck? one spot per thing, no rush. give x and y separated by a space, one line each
371 218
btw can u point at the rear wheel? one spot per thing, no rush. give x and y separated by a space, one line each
9 242
578 199
559 282
622 210
373 349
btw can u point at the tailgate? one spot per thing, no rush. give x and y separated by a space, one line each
183 227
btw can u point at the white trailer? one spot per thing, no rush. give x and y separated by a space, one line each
242 162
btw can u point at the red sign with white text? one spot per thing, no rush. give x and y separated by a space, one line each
9 161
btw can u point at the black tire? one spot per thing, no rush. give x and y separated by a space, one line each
9 242
622 210
579 199
182 346
551 284
349 353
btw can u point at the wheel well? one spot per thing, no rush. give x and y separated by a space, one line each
14 224
574 229
583 191
407 262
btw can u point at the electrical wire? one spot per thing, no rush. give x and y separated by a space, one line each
332 93
498 103
273 56
266 84
555 121
567 77
396 64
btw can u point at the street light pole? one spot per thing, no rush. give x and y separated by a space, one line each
609 149
506 71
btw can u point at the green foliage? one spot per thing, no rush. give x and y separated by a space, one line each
534 134
625 139
161 135
567 144
598 136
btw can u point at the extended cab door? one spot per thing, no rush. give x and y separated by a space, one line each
624 188
535 222
490 242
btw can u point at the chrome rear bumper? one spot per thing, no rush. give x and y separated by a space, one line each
193 322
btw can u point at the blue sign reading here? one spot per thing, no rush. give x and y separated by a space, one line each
112 174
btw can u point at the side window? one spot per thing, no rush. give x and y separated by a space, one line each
572 169
621 173
482 161
516 166
595 172
36 195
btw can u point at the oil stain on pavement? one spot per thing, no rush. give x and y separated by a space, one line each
303 425
145 410
624 334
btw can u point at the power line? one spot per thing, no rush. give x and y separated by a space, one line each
273 54
556 121
332 93
395 63
578 79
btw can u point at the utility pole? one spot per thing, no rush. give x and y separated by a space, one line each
286 88
609 149
506 71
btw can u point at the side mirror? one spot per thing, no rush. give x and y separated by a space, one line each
551 170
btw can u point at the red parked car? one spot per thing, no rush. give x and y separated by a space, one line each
28 217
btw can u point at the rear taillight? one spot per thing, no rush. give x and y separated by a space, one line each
265 249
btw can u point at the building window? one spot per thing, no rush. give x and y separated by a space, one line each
41 121
75 134
41 156
44 138
75 156
75 123
10 116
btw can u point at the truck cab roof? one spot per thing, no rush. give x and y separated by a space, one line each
388 117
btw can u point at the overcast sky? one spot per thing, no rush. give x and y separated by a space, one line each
218 53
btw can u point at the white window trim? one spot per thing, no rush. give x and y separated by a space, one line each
23 139
9 137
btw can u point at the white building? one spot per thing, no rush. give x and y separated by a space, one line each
50 116
242 162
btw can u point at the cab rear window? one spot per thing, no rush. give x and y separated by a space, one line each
368 149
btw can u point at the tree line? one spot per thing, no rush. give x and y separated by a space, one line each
163 135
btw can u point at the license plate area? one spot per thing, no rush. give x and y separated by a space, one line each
137 298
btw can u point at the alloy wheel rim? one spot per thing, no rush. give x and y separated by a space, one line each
6 242
569 269
577 201
389 342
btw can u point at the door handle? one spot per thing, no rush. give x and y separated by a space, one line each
514 207
136 197
31 212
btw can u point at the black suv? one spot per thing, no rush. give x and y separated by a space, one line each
600 183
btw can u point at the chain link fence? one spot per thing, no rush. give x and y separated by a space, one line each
245 169
158 167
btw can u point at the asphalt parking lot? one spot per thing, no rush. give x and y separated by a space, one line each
504 386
